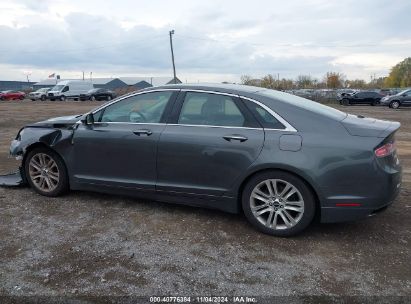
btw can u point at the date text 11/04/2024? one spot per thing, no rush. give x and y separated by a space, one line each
203 299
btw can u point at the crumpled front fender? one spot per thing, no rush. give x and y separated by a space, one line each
31 135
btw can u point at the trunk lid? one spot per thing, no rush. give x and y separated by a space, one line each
358 125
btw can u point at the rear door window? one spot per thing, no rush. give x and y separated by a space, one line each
211 110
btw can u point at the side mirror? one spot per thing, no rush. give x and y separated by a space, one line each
88 120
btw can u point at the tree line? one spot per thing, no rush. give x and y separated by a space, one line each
399 77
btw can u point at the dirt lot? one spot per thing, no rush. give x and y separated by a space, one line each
94 244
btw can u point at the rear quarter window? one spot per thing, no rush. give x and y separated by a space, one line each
303 103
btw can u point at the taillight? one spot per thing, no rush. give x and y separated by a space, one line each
385 150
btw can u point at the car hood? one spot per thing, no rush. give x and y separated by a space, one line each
369 127
58 122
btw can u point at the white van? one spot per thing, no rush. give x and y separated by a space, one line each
69 89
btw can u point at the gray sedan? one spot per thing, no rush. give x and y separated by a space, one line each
402 99
278 158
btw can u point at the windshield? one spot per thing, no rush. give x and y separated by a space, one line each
58 87
304 103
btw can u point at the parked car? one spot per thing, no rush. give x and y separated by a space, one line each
69 89
344 92
98 94
12 95
362 97
40 94
402 99
277 157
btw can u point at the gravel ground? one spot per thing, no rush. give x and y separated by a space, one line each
94 244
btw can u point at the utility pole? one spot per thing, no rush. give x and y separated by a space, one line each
172 55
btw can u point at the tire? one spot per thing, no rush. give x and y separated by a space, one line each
92 98
43 98
109 97
33 100
21 97
345 102
277 209
395 104
51 182
62 98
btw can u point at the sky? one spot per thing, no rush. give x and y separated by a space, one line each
214 41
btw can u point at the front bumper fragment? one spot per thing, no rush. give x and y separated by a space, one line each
12 179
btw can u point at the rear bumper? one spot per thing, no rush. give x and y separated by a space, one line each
362 207
348 214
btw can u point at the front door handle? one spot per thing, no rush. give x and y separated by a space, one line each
235 137
143 132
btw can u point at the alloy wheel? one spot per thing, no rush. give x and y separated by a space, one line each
277 204
44 172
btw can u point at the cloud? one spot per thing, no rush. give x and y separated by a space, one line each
212 38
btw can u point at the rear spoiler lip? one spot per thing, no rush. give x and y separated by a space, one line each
393 127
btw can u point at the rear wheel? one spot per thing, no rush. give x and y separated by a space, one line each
93 98
21 97
46 172
109 97
278 203
345 102
395 104
43 98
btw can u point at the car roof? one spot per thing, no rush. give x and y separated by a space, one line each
218 87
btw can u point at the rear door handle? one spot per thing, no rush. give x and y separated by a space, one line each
143 132
235 137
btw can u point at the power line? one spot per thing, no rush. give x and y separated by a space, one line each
307 44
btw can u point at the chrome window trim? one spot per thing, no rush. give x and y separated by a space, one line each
288 126
209 92
129 123
213 126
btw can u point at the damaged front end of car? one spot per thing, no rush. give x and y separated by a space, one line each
56 133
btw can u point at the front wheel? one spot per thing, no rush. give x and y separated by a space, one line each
62 98
92 98
278 203
346 102
46 172
43 97
395 104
